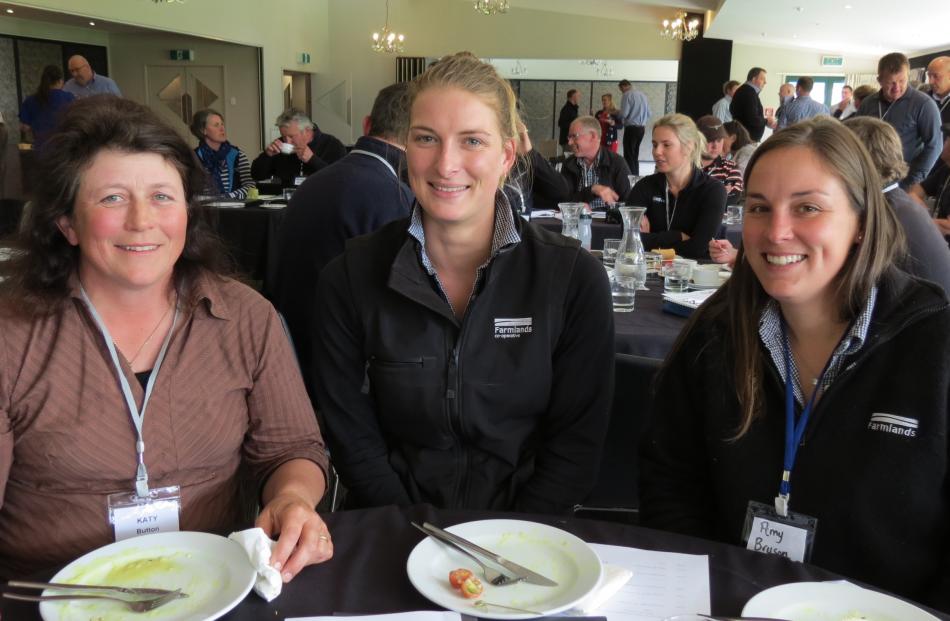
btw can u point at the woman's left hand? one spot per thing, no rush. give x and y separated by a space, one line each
304 537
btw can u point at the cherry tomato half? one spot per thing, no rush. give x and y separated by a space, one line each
458 576
472 588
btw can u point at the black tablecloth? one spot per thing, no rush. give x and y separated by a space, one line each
367 574
647 331
599 230
250 235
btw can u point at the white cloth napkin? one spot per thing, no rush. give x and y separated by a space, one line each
258 547
611 581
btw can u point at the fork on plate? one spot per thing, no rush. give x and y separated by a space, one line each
135 605
493 576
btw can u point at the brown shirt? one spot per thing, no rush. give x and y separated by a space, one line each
228 407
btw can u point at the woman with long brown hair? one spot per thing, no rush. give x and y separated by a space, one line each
40 111
815 384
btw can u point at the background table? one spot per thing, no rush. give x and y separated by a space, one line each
599 230
647 331
251 236
367 574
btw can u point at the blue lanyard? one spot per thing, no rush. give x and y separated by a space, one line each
793 430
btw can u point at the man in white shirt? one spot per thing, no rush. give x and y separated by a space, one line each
720 109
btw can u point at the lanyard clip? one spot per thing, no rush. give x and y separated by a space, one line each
781 505
141 474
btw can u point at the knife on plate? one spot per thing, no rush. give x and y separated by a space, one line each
519 571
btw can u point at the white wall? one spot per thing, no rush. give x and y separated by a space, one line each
434 28
779 62
573 69
283 29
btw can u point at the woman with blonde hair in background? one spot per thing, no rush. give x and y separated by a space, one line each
684 206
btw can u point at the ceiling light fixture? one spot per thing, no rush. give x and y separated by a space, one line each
386 41
681 28
10 11
490 7
92 23
168 1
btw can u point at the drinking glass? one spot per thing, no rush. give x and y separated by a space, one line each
633 180
288 193
734 214
570 215
611 246
676 276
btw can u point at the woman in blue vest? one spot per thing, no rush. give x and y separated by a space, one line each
229 171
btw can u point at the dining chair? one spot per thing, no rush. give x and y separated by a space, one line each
615 496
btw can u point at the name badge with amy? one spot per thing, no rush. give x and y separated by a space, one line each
791 536
132 515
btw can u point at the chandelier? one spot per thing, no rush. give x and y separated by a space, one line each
490 7
386 40
168 1
680 29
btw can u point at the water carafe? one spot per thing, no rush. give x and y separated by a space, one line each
630 268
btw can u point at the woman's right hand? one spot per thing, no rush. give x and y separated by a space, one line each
722 251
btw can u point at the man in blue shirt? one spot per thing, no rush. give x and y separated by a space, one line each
85 82
803 106
635 112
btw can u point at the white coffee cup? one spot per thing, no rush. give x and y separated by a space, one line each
286 148
706 275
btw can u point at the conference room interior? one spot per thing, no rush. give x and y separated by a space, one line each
253 60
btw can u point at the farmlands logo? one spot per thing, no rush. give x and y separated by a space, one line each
898 425
512 328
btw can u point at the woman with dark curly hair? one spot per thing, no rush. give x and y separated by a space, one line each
40 111
229 170
115 302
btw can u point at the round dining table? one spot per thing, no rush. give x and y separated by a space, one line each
367 574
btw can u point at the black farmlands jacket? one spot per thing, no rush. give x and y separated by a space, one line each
872 465
505 409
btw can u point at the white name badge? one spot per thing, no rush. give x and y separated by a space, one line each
132 516
768 532
299 180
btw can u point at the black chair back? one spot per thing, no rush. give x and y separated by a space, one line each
616 494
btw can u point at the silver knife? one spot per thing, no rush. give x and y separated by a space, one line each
529 576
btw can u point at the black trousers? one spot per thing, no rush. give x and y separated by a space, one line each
632 137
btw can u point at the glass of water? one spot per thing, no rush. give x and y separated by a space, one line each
676 276
611 246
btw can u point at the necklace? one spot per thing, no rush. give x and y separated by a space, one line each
151 334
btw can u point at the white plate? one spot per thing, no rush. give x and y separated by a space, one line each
831 601
214 571
551 552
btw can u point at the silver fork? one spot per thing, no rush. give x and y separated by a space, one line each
493 576
136 605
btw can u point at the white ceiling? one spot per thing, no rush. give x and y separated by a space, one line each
870 27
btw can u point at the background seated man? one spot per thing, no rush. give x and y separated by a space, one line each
594 175
937 186
312 150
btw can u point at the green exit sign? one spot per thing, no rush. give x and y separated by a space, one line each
181 54
832 61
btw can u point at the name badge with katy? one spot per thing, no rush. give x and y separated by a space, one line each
143 511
